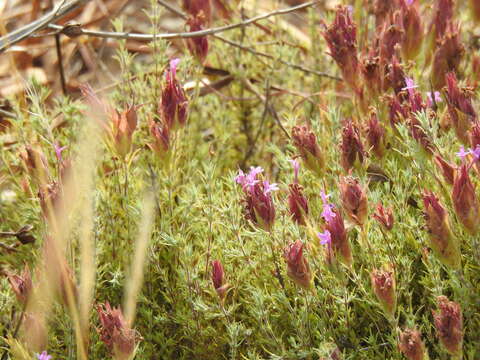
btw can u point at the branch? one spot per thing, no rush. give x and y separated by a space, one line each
24 32
187 35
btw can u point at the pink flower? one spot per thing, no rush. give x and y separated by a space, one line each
296 167
248 179
325 237
58 151
462 154
173 103
410 85
327 212
436 96
44 356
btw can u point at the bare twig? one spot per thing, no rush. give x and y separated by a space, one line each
25 31
193 34
250 50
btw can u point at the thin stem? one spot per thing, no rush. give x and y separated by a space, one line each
60 63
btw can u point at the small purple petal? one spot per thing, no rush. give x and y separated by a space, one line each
44 356
173 66
325 237
324 197
296 167
327 212
410 2
476 152
58 151
269 187
437 97
462 153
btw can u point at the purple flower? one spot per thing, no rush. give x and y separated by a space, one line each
327 212
267 187
173 67
44 356
476 152
436 96
462 153
296 167
58 151
250 179
410 86
410 2
325 237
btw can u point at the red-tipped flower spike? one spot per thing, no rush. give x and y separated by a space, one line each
376 135
341 38
390 36
384 217
340 245
161 139
447 170
198 46
441 239
383 284
297 265
297 203
449 324
259 207
411 344
447 56
354 199
412 28
465 200
173 104
351 148
119 338
306 144
444 10
198 7
21 285
218 279
123 126
460 108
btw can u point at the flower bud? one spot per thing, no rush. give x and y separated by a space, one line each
411 344
340 245
354 200
395 78
412 28
173 104
384 217
441 239
123 125
460 108
351 148
119 338
383 284
161 139
447 56
21 285
341 38
390 36
449 325
376 135
259 207
297 203
305 142
465 200
198 7
446 169
297 265
218 279
198 46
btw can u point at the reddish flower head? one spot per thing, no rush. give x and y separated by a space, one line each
339 244
341 38
442 242
460 108
306 143
123 125
383 284
447 169
412 28
218 279
352 152
198 7
161 138
411 344
449 324
115 333
354 199
259 207
384 217
465 200
173 104
297 265
198 46
297 203
21 285
376 135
